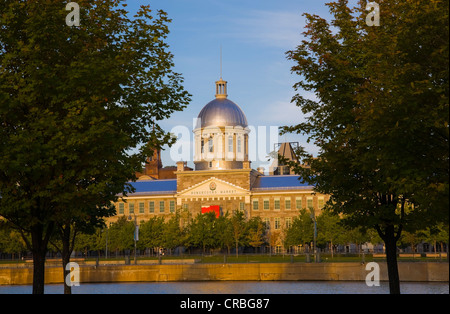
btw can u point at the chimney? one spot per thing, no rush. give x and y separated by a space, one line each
181 165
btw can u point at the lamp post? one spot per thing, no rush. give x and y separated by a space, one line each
313 217
135 236
107 239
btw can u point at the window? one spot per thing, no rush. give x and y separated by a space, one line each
230 144
298 203
266 204
277 204
141 207
309 203
288 222
211 145
287 203
267 222
321 202
121 208
278 249
277 223
131 208
172 206
186 206
161 206
242 206
203 145
151 207
255 205
238 144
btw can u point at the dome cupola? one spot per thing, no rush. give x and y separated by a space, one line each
221 133
221 112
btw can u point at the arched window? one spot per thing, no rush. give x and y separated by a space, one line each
211 145
230 143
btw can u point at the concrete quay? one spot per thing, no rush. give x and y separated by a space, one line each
409 271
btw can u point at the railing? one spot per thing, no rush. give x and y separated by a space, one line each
321 257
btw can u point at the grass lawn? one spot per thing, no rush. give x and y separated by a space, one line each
265 258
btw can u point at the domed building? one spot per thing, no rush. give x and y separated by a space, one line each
221 134
223 180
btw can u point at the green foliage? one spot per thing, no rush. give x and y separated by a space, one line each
121 235
256 231
381 115
302 229
330 229
381 118
79 110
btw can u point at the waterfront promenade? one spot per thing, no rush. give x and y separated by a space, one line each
191 271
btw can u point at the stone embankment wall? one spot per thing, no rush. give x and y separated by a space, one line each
409 271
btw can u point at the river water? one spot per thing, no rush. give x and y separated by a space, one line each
238 287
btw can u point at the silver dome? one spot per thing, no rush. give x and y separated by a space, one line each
221 112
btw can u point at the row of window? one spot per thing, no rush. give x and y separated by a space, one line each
287 204
160 206
277 223
153 207
230 145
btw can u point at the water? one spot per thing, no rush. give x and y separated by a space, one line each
238 287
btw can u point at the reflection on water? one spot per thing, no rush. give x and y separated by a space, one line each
238 287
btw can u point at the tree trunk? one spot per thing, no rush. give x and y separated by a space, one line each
39 242
65 253
38 271
66 260
390 240
331 246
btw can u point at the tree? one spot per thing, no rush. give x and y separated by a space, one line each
256 232
172 232
331 230
301 231
11 241
437 234
224 232
79 111
238 229
411 239
381 116
121 234
67 229
203 232
151 233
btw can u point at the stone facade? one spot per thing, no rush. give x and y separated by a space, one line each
223 177
231 190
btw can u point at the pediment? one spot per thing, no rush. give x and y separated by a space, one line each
213 186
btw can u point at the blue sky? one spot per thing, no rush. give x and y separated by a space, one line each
254 36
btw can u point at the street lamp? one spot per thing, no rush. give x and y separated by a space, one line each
135 236
107 235
313 217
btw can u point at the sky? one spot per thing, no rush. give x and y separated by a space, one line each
254 36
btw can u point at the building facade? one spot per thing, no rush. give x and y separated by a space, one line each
223 177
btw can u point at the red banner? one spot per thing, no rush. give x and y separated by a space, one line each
213 208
